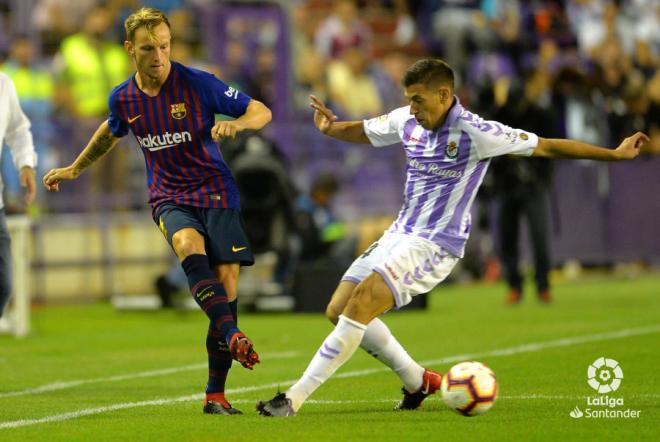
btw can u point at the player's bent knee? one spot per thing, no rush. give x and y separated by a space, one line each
186 244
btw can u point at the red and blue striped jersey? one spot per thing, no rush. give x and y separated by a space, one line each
184 164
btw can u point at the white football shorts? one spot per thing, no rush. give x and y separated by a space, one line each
409 265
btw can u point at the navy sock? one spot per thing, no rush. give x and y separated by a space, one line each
233 306
220 359
210 295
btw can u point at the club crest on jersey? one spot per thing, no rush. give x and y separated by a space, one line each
451 150
178 110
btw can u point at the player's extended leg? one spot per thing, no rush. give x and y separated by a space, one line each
378 341
210 294
219 357
368 300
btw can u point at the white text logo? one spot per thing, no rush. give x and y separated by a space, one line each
158 142
434 169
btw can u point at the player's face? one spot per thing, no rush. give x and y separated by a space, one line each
429 105
151 55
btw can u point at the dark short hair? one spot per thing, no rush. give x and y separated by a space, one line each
429 71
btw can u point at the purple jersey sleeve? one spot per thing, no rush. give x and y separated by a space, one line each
118 127
222 98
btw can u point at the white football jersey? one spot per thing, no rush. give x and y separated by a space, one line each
445 168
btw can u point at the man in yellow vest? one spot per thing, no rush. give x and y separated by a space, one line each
90 65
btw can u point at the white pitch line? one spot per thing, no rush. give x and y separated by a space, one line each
525 348
521 397
62 385
564 342
89 411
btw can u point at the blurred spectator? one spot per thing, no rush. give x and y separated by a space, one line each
521 187
461 28
187 51
351 87
261 81
55 19
387 77
312 80
34 85
550 21
89 67
185 23
322 234
405 31
644 59
236 67
343 30
595 21
302 34
634 111
579 118
653 91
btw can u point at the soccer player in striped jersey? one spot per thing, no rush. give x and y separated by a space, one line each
170 108
448 150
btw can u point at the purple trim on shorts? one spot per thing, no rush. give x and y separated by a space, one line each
351 279
394 291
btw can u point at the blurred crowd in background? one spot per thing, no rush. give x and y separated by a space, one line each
587 68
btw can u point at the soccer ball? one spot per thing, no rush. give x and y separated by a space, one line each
469 388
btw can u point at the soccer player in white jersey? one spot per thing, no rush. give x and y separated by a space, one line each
448 150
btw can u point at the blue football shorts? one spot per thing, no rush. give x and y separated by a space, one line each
222 229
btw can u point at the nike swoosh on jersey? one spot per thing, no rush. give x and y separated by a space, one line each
130 120
237 249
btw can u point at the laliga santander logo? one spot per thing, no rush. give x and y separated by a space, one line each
604 375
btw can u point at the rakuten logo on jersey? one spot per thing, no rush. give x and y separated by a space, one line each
158 142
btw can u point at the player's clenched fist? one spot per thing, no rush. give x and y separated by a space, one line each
224 129
630 147
52 179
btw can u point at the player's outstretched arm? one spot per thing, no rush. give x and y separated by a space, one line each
100 144
256 116
326 121
558 148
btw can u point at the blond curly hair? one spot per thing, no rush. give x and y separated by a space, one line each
145 17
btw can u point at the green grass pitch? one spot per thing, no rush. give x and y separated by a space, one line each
91 373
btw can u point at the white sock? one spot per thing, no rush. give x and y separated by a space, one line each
379 342
337 348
